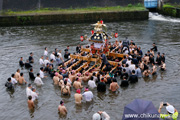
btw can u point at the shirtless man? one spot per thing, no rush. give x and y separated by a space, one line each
154 69
78 96
56 79
77 84
65 90
62 109
30 103
21 79
114 86
72 76
86 77
163 66
17 74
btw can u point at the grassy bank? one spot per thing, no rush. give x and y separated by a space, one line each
171 5
129 7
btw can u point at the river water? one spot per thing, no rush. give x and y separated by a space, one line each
20 41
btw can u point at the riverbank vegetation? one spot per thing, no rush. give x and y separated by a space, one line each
171 5
129 7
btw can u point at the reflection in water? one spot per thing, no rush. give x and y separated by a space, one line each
20 41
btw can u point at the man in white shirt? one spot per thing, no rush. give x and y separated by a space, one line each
28 90
42 73
52 56
88 95
38 80
91 83
41 61
60 55
132 66
13 80
34 94
45 51
46 61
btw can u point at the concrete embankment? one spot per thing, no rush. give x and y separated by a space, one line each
63 18
170 11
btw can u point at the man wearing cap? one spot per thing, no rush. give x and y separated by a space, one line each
62 109
100 114
88 95
78 96
172 112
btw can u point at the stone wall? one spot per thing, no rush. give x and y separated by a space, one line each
89 17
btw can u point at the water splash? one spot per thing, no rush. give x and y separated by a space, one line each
158 17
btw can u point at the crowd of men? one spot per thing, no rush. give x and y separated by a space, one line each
65 73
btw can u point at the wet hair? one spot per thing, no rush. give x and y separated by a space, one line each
31 69
29 85
127 65
21 74
124 70
94 74
51 60
41 68
91 77
31 53
18 70
38 74
124 56
102 79
61 102
65 82
77 79
114 80
12 75
29 97
137 66
124 77
9 79
133 71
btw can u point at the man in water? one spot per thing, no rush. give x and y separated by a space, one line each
13 80
154 69
41 61
52 56
21 79
91 83
42 73
62 109
78 96
56 79
34 94
45 51
27 64
101 87
133 78
163 66
9 84
31 74
155 47
77 84
114 85
172 113
30 103
31 59
138 71
88 95
21 63
46 61
65 89
17 74
38 80
28 90
124 82
100 114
